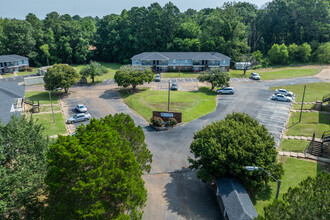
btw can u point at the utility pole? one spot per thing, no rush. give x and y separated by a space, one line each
302 104
169 91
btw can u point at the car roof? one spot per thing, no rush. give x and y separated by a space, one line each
255 73
80 105
228 88
80 114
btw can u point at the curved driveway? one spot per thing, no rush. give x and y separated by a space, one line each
174 192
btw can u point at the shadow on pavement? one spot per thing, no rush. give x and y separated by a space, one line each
111 94
190 198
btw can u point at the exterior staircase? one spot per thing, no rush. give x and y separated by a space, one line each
320 148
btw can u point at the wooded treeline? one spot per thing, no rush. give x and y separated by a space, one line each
233 29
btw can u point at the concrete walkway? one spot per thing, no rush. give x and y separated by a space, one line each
303 156
300 138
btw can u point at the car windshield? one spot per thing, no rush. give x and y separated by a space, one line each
174 84
75 116
81 106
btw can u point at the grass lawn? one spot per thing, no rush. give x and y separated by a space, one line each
192 104
34 71
178 75
49 108
295 171
43 97
293 145
111 67
314 91
305 106
278 73
310 122
47 121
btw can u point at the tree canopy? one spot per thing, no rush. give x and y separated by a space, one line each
60 76
225 147
217 78
23 149
93 69
133 76
309 200
95 173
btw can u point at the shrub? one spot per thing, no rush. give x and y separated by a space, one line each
157 121
171 122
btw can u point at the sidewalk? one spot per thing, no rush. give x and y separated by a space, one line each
303 156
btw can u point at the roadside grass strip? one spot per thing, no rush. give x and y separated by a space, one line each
310 122
51 128
192 104
291 145
49 108
314 91
179 75
42 97
295 171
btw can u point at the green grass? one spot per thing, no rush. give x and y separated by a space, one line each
178 75
49 108
111 67
47 121
305 106
293 145
34 71
42 97
278 73
192 104
310 122
295 171
314 91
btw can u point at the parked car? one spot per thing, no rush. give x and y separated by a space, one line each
284 92
157 78
226 90
80 108
79 117
174 86
255 76
280 97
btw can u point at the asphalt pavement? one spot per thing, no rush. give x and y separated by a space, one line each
174 192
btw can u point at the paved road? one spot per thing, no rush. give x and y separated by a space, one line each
173 191
17 79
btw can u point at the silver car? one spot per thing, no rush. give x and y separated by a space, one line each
157 78
255 76
226 90
284 92
280 97
80 108
78 118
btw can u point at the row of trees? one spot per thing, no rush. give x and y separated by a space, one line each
95 174
233 29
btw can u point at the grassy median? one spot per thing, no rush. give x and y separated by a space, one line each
42 97
192 104
293 145
47 121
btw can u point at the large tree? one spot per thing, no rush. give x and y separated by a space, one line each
216 77
94 174
309 200
133 76
60 76
225 147
323 53
23 147
93 69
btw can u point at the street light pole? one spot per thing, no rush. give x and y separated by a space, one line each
169 90
252 168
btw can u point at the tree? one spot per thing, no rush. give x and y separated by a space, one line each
93 69
278 54
125 126
304 52
225 147
293 52
45 50
23 148
323 53
309 200
94 174
60 76
217 77
128 75
250 61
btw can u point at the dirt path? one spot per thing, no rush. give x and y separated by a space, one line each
324 74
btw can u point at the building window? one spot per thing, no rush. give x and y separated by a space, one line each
174 61
186 61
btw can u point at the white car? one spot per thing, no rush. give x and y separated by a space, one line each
226 90
80 108
284 92
79 117
280 97
255 76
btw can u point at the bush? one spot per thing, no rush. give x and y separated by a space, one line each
171 122
157 121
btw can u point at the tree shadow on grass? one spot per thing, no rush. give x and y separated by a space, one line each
190 198
264 194
205 90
